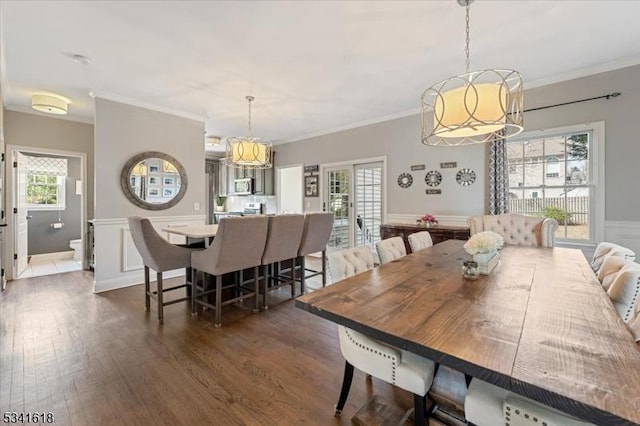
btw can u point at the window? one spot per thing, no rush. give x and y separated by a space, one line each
554 174
46 178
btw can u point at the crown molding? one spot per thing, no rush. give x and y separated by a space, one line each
146 105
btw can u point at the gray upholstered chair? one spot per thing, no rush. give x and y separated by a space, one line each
395 366
239 244
420 240
517 229
283 242
489 405
606 250
315 236
161 256
390 249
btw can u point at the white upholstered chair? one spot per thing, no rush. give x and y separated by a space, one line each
517 229
606 250
161 256
625 292
489 405
395 366
610 268
390 249
420 240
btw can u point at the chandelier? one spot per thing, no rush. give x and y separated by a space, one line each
473 107
247 151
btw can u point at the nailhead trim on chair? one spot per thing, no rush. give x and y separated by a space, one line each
375 351
632 305
508 413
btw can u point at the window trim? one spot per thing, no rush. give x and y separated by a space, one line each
61 196
597 163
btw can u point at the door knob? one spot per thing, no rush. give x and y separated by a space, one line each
29 217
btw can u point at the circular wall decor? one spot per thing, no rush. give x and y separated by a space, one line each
465 177
405 180
433 178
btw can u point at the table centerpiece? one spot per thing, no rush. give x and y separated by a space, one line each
485 248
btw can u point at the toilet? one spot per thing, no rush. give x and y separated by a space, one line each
76 245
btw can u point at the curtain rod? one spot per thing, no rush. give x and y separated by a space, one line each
610 95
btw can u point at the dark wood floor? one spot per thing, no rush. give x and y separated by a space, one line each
101 359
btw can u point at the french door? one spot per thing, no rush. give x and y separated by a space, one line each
354 195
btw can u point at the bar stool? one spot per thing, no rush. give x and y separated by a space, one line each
161 256
239 244
315 236
283 242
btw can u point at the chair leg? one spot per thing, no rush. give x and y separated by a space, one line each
147 289
265 287
419 410
160 298
194 290
302 274
188 278
324 268
346 386
293 277
218 284
256 288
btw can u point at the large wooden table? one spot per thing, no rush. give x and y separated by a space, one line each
540 324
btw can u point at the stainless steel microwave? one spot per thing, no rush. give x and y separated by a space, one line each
243 186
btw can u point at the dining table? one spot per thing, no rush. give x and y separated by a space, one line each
206 232
540 324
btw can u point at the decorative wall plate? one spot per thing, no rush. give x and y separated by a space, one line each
465 177
433 178
405 180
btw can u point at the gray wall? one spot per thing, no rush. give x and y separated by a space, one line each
43 238
122 131
399 140
53 133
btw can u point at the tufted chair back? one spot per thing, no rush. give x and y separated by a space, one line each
517 229
606 250
610 269
390 249
625 293
420 240
634 326
345 263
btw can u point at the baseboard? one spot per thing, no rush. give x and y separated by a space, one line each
131 280
59 255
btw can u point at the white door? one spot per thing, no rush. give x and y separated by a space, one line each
20 216
290 189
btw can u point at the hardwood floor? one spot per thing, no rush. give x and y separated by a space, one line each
101 359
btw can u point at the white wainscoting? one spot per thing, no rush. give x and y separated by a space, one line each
625 233
118 263
442 220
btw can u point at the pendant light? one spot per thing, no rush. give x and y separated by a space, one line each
248 151
473 107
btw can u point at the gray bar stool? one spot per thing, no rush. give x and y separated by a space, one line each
239 244
317 230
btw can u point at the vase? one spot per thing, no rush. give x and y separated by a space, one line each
219 208
486 261
483 258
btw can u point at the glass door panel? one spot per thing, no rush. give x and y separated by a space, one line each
338 182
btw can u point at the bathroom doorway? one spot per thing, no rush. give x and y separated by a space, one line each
48 209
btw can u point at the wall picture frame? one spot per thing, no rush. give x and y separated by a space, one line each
311 186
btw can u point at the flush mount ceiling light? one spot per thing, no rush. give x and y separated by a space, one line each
472 107
49 103
247 151
212 140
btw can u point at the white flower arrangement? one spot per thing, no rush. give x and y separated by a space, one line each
483 242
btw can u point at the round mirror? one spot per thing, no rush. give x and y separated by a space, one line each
153 180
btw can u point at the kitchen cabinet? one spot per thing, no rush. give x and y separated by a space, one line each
263 179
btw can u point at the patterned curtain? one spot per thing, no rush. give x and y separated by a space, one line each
498 176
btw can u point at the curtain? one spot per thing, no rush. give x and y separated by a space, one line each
50 166
498 176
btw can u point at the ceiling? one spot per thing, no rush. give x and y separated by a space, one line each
313 66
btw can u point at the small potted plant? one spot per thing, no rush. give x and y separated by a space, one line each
220 199
429 220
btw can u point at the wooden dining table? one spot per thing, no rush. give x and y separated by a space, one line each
540 324
206 232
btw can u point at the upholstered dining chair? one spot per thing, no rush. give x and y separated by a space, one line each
283 241
611 267
395 366
517 229
605 250
625 292
161 256
420 240
239 244
315 237
489 405
390 249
